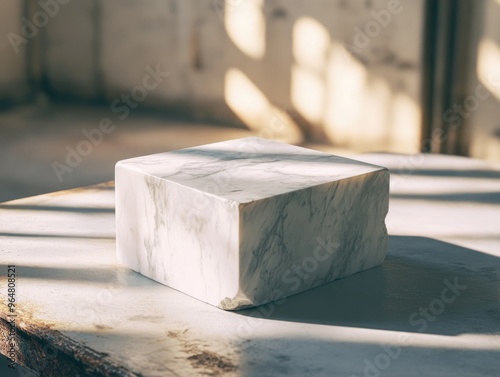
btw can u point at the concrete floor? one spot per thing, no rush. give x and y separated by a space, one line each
444 230
462 198
35 136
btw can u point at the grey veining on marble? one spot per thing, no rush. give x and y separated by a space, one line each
244 222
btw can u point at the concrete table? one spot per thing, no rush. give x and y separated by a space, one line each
432 309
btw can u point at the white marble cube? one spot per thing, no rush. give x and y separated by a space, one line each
243 222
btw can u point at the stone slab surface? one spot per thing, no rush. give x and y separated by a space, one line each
79 308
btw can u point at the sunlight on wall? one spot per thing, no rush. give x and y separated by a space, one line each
255 110
488 65
334 91
246 26
405 131
311 43
310 46
308 93
346 80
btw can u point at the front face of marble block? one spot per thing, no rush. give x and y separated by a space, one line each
248 221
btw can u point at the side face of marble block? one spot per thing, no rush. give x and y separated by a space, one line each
248 221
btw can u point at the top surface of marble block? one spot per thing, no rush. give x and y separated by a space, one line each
248 169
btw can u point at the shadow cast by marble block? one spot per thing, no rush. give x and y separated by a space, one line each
424 285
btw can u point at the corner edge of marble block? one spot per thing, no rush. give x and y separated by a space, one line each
387 175
236 303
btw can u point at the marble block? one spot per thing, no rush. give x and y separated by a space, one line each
243 222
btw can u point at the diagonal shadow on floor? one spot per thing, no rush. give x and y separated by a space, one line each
390 297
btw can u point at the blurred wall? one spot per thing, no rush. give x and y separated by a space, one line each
13 69
346 72
480 108
70 46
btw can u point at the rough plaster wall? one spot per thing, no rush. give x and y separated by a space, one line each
138 36
482 118
13 80
388 71
186 38
190 40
